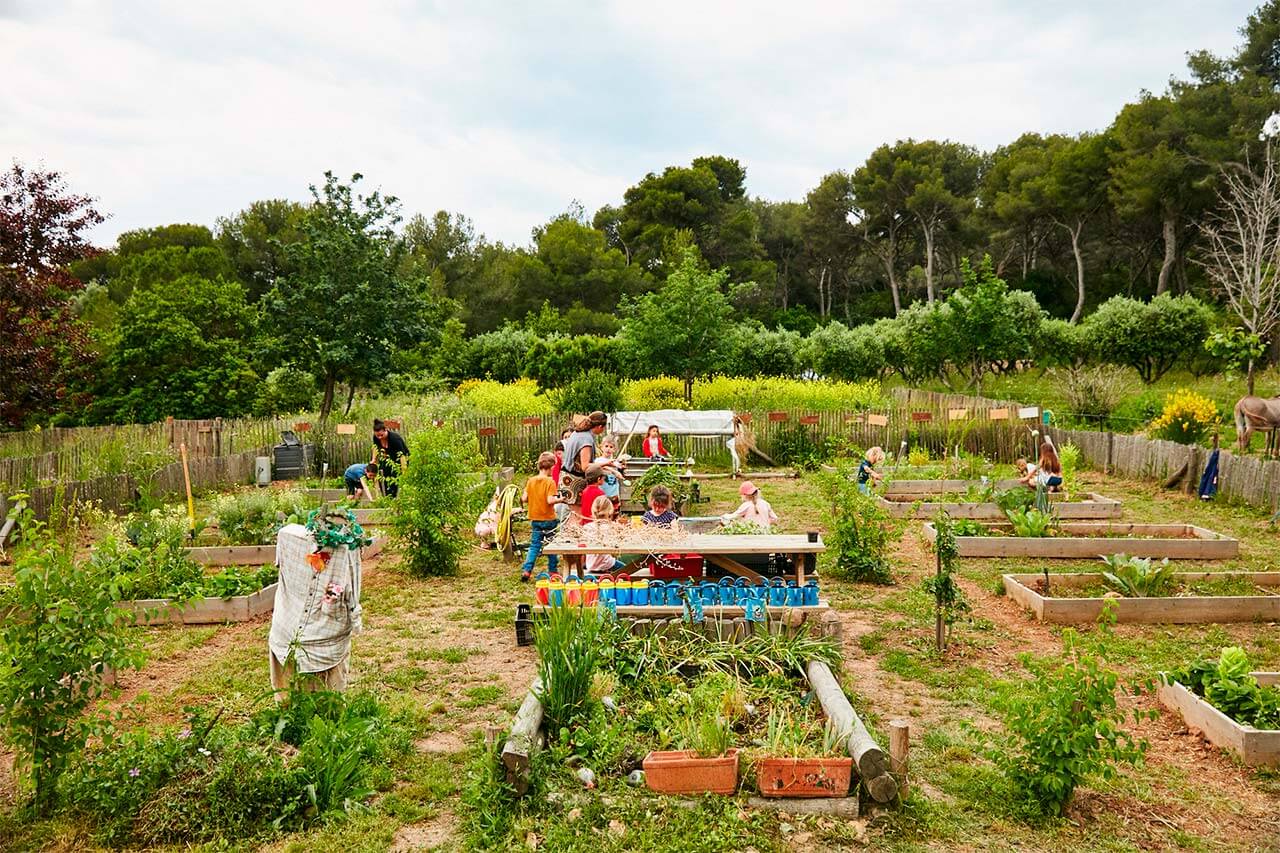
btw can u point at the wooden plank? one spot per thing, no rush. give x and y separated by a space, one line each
810 420
910 506
1174 610
523 740
1028 412
921 417
998 414
778 417
1078 544
957 414
702 543
873 765
1253 746
877 420
345 429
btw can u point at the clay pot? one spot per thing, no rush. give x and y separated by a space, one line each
683 772
804 777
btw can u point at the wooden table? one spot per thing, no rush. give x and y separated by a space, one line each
717 549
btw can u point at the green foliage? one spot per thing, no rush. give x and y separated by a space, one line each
1236 347
61 634
1151 337
1228 684
438 503
659 392
799 446
702 718
1063 344
1062 728
1135 577
568 645
861 530
503 355
753 350
146 559
948 598
774 393
594 390
1093 393
254 518
838 352
660 475
1031 522
1069 456
1013 499
558 360
989 326
521 397
287 390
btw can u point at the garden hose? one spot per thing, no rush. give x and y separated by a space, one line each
508 499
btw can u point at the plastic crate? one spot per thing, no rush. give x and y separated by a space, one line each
674 566
524 625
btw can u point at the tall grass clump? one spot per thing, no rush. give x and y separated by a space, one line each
861 530
569 646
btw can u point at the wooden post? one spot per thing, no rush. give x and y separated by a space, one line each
899 753
939 624
872 765
186 477
523 739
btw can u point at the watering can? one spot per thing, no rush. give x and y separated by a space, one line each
811 593
555 587
710 592
795 595
728 593
606 588
622 590
674 598
590 591
542 591
657 593
640 592
753 610
777 593
573 591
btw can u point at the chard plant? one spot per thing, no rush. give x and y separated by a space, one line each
1137 577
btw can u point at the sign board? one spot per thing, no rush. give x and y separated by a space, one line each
345 429
957 414
855 419
922 416
1029 412
778 416
877 420
745 417
531 422
998 414
302 426
487 431
392 424
809 419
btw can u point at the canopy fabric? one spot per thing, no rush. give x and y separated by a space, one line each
675 421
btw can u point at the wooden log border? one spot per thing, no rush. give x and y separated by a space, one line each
1094 505
1255 747
202 611
1088 540
1173 610
872 763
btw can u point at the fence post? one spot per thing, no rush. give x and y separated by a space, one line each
1111 446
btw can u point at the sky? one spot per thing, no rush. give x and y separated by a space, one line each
510 112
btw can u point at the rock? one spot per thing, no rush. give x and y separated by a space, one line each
617 827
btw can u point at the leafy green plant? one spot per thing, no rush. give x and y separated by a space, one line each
799 446
661 475
437 503
254 518
1136 577
948 599
861 531
59 639
1063 727
1069 456
1031 522
701 718
742 528
969 527
148 560
568 644
918 457
594 390
1228 684
1013 499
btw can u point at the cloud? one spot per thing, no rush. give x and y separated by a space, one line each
508 112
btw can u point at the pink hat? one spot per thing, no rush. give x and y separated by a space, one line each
747 489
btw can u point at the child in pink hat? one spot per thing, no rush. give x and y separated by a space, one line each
754 508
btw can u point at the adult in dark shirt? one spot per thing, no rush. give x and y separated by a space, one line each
390 454
580 452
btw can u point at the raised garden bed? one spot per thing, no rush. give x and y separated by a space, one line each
203 611
1255 747
261 555
943 487
915 505
1176 609
1088 540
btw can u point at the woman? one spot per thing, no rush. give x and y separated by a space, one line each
1049 468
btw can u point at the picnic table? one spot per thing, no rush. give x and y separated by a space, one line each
719 550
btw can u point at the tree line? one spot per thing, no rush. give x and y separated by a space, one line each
193 321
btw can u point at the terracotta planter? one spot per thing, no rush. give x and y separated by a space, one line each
804 777
683 772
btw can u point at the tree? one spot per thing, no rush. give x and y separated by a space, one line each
1073 190
254 242
781 235
830 239
944 180
43 349
991 327
1260 52
880 194
1012 215
682 328
1151 337
1242 254
344 309
180 350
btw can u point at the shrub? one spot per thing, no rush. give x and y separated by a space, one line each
286 390
861 531
838 352
1150 337
438 501
146 558
556 361
747 395
756 351
1187 417
500 355
798 446
63 632
1069 456
254 518
1063 344
1063 727
660 392
592 391
989 326
519 397
1092 393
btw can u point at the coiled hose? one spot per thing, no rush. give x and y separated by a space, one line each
508 500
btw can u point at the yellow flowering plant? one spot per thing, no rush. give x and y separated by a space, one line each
1187 417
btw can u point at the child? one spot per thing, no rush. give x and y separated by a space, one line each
754 509
357 478
1026 473
541 495
595 474
601 514
660 513
612 482
559 463
868 475
653 447
1049 471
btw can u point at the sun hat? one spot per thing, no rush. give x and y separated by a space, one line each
747 489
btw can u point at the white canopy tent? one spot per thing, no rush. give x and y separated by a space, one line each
679 422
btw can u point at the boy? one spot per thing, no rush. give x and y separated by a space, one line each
612 482
595 474
660 513
541 496
355 479
867 475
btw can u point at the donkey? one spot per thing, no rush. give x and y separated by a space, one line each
1256 414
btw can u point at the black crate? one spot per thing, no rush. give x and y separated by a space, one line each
524 625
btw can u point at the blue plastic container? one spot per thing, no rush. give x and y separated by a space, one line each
622 590
657 593
710 593
811 593
777 593
673 594
795 596
640 592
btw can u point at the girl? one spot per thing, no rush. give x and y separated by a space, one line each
754 508
1049 471
613 481
601 514
867 474
653 447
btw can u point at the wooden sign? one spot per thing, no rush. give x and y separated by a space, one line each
302 426
877 420
809 419
345 429
778 416
486 431
957 414
922 416
392 424
998 414
531 422
745 417
855 419
1029 412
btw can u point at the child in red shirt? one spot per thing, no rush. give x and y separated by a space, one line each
595 473
652 445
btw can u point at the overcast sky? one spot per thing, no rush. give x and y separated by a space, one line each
507 112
